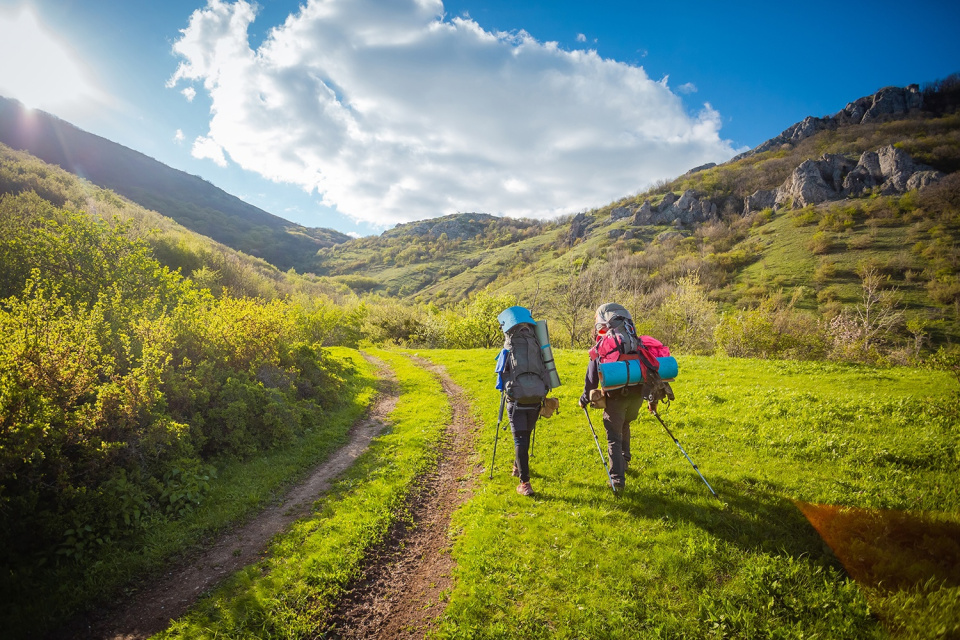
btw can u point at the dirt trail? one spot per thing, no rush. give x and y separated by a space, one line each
400 593
152 608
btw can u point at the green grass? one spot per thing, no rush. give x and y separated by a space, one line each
289 593
669 560
238 490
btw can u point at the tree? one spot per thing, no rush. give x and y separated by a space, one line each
573 302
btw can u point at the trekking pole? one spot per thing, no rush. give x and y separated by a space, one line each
503 397
600 451
695 467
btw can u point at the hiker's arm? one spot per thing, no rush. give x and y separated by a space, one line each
590 382
501 368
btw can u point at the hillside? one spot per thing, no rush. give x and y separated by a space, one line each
207 262
191 201
776 218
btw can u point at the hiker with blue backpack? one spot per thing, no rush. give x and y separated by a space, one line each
525 374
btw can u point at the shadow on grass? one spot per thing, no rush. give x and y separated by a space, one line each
751 518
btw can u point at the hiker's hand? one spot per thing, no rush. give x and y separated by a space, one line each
583 402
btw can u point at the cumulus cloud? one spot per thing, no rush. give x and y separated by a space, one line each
392 111
687 87
208 148
581 37
178 137
189 93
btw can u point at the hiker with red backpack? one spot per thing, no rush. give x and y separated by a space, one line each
616 340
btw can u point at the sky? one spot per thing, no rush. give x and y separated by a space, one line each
357 115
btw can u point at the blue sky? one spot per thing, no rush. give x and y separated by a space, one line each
358 114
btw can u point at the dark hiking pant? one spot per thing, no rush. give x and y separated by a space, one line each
621 410
523 419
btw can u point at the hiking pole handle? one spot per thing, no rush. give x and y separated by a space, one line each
677 442
496 437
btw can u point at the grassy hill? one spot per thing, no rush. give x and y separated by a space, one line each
208 262
191 201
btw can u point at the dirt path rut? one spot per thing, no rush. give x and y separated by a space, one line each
400 593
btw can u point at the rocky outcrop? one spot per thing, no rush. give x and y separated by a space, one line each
685 210
703 167
619 213
815 181
833 177
890 169
885 104
578 228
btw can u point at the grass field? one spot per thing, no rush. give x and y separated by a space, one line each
870 455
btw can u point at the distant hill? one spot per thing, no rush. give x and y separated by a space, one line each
190 200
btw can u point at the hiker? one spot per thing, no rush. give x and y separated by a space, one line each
523 420
524 376
614 334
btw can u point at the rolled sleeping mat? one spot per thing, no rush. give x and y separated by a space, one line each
512 316
543 335
623 373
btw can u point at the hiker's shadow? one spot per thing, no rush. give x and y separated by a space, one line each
749 514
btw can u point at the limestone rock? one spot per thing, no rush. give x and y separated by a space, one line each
702 167
620 213
759 200
865 176
578 228
644 214
922 179
887 103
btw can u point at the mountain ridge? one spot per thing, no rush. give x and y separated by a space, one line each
188 199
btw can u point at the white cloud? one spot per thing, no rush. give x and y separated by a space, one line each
393 112
178 137
687 87
189 93
581 37
208 148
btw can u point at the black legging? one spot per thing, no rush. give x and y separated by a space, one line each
522 422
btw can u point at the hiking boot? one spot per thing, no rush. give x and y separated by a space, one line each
525 489
516 472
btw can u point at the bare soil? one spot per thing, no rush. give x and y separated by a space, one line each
163 599
402 591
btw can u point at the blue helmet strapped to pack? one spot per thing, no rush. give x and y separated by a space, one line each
512 316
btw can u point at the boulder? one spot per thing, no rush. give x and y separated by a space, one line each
578 228
702 167
865 176
668 236
805 186
687 201
759 200
922 179
667 201
644 214
619 213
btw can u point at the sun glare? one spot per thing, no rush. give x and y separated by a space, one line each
39 70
